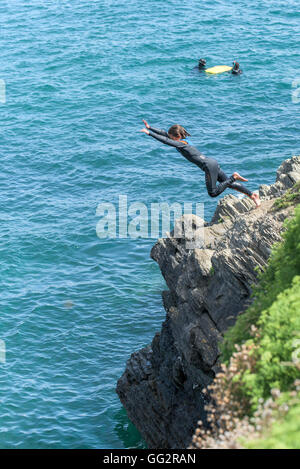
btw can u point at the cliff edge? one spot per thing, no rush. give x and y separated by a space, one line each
161 388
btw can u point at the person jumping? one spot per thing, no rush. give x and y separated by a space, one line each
177 137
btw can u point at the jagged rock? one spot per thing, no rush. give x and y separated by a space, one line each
161 387
287 175
230 206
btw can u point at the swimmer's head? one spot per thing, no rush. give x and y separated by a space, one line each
236 65
201 63
176 132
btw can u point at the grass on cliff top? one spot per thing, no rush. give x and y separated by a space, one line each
291 197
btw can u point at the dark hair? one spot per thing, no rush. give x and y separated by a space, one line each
178 131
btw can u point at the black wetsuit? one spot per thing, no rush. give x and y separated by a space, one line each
210 166
236 69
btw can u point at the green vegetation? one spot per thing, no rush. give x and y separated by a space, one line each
276 344
284 433
289 198
224 219
283 267
274 348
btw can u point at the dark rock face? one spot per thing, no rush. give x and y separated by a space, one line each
208 287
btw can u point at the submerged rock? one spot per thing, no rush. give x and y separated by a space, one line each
208 287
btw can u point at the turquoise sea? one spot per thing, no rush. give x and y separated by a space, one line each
80 75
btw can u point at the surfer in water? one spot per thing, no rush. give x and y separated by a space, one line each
177 137
236 68
201 64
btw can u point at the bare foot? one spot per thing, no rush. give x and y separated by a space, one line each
256 200
238 177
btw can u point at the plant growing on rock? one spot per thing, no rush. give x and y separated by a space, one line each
229 426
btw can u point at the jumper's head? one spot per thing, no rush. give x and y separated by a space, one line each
201 63
176 132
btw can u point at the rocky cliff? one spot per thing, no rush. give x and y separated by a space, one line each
208 287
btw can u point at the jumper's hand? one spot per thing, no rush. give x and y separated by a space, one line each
146 124
145 131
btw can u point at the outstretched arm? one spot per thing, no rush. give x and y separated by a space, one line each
159 131
163 139
166 140
153 129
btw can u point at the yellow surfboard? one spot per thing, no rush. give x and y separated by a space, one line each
218 69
